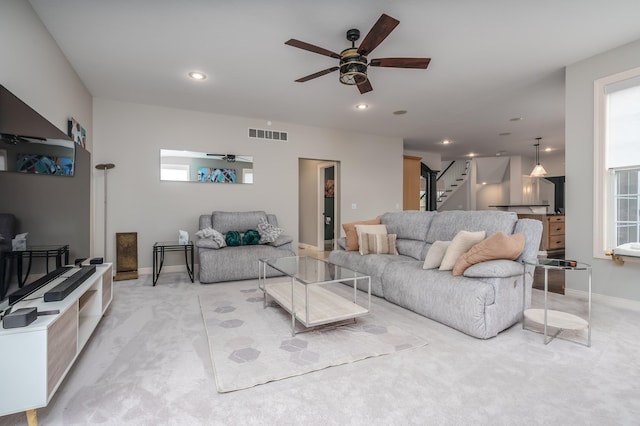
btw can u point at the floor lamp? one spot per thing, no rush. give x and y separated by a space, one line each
105 167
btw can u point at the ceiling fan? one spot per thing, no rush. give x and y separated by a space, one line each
353 61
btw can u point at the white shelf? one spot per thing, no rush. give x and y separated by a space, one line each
325 306
36 358
557 319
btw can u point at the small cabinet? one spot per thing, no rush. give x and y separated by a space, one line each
554 233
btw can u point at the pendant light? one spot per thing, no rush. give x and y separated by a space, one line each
538 170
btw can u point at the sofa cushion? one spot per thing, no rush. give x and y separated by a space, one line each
372 265
378 244
351 234
497 246
369 229
447 224
434 256
224 222
412 248
409 225
462 242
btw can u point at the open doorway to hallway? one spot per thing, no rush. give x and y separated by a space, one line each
318 208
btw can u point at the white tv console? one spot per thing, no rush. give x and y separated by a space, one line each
36 358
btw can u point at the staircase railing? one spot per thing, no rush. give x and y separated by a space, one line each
451 178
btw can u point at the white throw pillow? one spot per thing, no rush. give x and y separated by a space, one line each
435 254
369 229
460 244
212 234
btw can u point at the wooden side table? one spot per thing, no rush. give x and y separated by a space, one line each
552 318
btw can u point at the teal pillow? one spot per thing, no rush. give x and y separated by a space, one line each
251 237
232 238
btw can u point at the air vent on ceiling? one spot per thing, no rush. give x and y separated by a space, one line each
268 134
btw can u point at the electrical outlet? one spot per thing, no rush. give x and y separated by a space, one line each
354 206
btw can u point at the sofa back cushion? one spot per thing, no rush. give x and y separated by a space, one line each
411 228
224 222
408 225
446 225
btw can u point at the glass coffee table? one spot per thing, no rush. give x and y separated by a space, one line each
307 296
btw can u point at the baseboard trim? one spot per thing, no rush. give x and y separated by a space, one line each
617 302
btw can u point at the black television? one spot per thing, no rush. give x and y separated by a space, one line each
45 182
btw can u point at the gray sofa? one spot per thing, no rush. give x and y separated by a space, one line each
482 302
239 262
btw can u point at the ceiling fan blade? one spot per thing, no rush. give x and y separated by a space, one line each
316 74
311 48
365 87
380 30
421 63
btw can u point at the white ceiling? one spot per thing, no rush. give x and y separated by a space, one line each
492 60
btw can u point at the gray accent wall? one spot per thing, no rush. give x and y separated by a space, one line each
608 278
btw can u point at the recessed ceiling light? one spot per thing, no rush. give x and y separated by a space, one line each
197 75
362 106
547 149
471 154
400 112
446 142
515 119
484 183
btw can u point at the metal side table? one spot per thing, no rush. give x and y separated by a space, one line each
160 248
557 319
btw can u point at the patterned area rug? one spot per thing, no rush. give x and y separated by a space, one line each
252 345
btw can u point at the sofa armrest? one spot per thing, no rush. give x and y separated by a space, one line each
207 243
501 268
282 240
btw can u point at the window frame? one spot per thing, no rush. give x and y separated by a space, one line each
604 179
185 168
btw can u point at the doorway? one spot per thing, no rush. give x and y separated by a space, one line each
318 208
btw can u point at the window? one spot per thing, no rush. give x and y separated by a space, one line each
247 175
626 197
174 172
617 161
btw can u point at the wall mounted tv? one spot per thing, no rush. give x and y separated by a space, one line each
31 144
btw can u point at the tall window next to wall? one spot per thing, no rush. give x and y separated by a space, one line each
617 161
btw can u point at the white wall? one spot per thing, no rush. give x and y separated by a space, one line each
131 136
608 279
431 159
34 69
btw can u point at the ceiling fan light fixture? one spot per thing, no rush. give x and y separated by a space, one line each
353 67
538 170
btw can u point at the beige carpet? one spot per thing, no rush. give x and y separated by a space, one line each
252 345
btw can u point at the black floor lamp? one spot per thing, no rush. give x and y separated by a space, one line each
105 167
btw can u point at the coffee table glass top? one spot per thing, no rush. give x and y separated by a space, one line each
309 270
